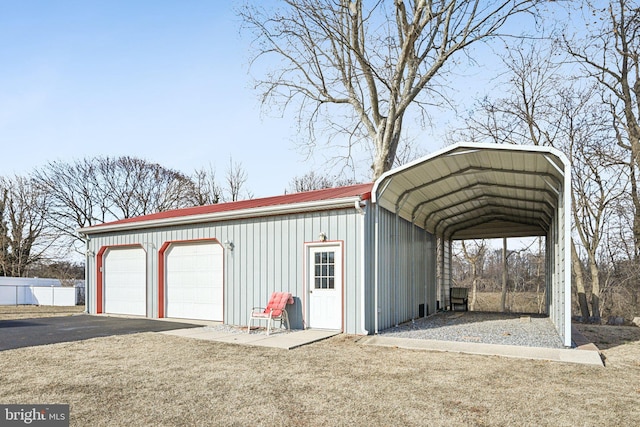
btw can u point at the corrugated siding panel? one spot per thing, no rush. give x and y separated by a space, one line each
268 256
406 273
556 298
430 267
444 260
368 239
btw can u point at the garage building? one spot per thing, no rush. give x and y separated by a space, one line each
358 259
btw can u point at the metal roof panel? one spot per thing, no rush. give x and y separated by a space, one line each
466 182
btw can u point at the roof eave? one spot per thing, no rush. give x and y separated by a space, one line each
293 208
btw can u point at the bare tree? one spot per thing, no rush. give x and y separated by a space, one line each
578 274
370 63
133 187
540 267
527 111
67 272
313 181
596 187
235 178
544 107
524 281
206 190
74 195
95 190
475 258
22 225
610 55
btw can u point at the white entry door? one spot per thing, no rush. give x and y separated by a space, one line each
324 286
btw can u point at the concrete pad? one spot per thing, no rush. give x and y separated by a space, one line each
191 321
247 339
522 352
192 333
296 339
287 341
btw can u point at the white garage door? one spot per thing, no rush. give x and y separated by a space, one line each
194 281
125 279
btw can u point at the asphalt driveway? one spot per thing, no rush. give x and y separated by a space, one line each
51 330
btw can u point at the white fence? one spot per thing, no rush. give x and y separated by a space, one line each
30 291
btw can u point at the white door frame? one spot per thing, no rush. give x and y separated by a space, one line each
309 285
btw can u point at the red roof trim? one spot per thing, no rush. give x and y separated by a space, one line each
361 190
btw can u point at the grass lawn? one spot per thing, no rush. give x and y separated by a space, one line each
9 312
152 379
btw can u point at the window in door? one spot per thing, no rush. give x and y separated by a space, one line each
324 277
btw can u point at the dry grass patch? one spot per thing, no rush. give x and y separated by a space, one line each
10 312
162 380
517 302
155 379
620 345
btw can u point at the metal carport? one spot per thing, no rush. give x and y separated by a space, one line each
472 190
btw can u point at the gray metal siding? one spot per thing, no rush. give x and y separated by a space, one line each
268 256
557 273
406 273
444 261
369 266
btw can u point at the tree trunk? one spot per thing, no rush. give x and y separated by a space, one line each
503 297
474 285
635 198
474 288
577 270
595 289
386 142
473 262
595 306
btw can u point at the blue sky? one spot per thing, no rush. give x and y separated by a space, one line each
163 80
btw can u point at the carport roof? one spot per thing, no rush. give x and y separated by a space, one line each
472 190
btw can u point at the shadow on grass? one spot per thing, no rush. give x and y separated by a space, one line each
606 337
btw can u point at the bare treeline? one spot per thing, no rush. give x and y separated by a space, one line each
40 213
579 91
480 266
315 181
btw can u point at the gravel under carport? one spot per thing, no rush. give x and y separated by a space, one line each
480 327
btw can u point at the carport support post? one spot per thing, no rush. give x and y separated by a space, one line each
396 269
413 270
566 208
375 270
363 255
440 279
